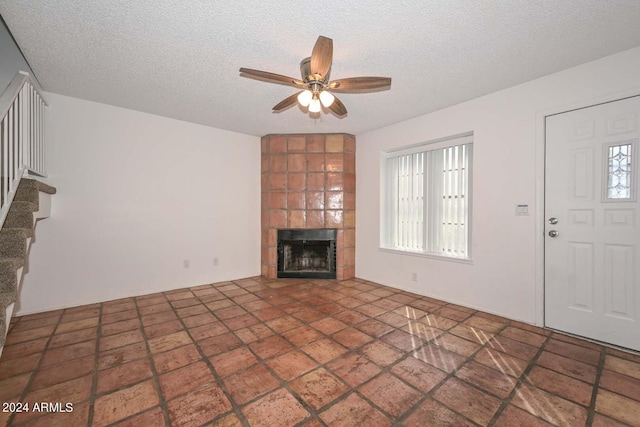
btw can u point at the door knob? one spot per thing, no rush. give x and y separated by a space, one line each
553 221
553 233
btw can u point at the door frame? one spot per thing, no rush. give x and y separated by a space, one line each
540 138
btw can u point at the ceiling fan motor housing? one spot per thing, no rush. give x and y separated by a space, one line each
308 77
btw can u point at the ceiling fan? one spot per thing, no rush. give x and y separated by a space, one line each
315 84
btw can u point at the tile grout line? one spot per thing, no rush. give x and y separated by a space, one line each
152 365
591 410
94 380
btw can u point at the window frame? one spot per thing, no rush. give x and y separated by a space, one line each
386 208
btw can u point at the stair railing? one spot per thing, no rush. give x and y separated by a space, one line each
22 148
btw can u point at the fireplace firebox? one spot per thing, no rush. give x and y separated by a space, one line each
308 253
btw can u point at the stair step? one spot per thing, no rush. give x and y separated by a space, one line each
27 194
8 289
20 219
13 243
29 191
38 185
9 281
27 231
24 206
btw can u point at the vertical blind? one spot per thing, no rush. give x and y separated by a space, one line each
427 203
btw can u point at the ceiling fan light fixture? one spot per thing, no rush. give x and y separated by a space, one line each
326 98
314 105
305 98
315 84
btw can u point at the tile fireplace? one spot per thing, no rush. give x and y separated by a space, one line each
308 183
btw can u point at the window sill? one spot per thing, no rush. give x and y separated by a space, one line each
427 255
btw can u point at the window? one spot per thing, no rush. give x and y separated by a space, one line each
426 204
619 172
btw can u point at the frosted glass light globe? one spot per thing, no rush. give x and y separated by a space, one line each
314 106
305 98
326 98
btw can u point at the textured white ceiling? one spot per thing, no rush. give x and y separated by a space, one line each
181 58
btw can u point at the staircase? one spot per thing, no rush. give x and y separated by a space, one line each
31 203
23 201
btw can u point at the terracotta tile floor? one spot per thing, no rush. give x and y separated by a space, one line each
308 353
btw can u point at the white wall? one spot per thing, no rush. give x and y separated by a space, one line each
502 278
137 195
11 60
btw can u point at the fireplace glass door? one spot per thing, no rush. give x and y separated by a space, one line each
307 253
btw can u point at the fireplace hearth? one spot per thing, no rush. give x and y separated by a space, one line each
307 253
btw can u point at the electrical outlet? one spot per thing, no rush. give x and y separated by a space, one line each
414 277
186 263
215 261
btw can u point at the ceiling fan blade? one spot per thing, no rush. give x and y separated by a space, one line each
287 102
322 56
358 84
271 77
338 107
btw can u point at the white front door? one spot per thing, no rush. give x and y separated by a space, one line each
592 231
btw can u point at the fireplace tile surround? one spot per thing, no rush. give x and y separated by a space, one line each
308 182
